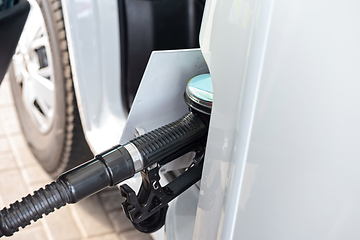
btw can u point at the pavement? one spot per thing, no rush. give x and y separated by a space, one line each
97 217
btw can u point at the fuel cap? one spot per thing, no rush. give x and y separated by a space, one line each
199 93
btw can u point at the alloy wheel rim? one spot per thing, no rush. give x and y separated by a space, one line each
34 71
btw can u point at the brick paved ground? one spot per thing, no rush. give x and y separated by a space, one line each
95 218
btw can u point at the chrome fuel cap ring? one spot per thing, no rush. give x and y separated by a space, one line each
199 93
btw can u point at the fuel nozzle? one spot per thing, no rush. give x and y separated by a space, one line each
107 169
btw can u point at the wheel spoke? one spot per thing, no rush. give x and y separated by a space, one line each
34 24
42 120
45 72
39 42
46 110
38 105
28 96
44 90
19 67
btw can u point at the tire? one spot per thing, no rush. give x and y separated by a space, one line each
55 136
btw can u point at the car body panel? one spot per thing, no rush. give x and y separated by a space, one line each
180 217
282 153
92 31
226 39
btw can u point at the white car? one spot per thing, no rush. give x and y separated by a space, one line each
78 66
282 151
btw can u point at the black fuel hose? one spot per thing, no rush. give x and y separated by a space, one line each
106 169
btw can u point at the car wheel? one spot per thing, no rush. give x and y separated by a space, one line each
43 92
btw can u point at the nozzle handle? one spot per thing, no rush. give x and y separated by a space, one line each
165 141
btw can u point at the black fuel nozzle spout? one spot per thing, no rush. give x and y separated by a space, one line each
106 169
